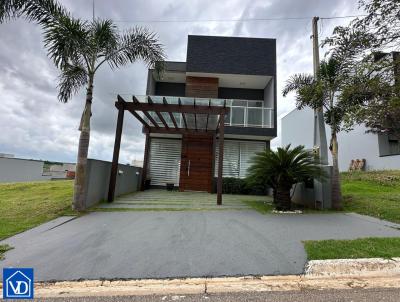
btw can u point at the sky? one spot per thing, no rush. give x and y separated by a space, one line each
34 124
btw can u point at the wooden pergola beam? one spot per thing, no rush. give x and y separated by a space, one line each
218 122
184 120
209 105
162 119
220 158
215 110
158 113
149 117
171 114
117 145
195 117
145 162
176 131
139 118
183 114
121 104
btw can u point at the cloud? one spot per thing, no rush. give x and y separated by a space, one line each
35 125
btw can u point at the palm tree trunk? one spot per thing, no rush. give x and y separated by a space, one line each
283 198
79 203
274 200
336 190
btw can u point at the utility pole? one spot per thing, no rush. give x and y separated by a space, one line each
93 10
319 123
322 189
315 45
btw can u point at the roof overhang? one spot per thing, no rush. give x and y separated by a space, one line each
224 80
236 80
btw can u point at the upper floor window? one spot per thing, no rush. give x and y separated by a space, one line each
394 146
388 145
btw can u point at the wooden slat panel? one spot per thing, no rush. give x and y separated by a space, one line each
202 87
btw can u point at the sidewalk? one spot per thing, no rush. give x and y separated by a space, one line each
328 275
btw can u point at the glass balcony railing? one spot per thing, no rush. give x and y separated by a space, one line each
242 113
248 113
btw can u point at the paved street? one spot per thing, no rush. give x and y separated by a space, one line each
356 295
163 244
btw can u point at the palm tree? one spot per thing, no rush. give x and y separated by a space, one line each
282 169
79 48
322 92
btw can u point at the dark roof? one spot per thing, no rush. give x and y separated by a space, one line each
231 55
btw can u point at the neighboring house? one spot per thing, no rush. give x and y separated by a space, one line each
380 151
239 73
137 163
19 170
62 171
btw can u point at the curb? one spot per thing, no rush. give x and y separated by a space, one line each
209 285
319 275
354 267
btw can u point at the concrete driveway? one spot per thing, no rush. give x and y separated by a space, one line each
163 244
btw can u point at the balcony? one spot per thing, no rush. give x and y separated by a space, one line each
243 113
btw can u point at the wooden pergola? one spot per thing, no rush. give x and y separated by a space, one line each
168 124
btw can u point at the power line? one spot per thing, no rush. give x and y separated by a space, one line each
342 17
234 20
210 20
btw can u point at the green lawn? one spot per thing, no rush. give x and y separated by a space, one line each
375 193
28 204
352 249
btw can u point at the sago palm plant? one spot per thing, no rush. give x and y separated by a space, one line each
283 168
79 48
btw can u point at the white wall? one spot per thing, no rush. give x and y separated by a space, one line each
298 129
18 170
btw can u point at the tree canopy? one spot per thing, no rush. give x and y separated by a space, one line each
368 48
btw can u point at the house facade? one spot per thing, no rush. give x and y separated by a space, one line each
238 74
380 152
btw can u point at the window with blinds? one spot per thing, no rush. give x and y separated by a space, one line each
237 155
164 161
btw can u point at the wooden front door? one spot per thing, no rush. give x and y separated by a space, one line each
196 163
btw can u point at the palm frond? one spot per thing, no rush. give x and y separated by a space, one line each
134 44
71 79
296 82
66 40
43 12
329 71
103 37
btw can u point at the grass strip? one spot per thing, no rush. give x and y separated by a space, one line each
352 249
